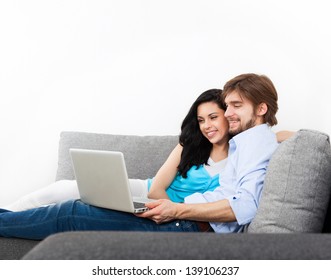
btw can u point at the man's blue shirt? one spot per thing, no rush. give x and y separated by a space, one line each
241 183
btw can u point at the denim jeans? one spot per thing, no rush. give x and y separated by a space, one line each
75 215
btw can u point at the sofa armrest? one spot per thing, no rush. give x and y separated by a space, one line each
103 245
15 248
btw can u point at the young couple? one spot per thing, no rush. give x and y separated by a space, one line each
208 183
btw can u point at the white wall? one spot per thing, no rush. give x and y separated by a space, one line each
134 67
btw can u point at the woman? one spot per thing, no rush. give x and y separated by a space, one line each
193 166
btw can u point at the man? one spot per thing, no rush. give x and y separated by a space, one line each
251 107
251 102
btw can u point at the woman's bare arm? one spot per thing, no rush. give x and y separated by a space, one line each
166 174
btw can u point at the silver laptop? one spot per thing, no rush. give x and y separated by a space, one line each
103 181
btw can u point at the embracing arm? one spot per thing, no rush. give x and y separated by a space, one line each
165 175
284 135
218 211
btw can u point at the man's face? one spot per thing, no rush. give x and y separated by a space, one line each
239 113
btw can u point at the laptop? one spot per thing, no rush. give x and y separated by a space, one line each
102 180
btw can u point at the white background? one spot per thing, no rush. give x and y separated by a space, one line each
135 67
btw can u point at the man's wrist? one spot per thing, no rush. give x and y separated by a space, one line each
180 210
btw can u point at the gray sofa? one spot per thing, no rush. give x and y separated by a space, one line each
293 220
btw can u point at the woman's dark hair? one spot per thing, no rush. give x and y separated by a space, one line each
196 147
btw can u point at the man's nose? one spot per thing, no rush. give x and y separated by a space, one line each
228 112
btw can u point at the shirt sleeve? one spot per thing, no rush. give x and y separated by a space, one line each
248 181
245 201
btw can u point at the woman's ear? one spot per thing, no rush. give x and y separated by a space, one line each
262 109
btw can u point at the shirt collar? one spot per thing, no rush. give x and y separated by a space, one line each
242 136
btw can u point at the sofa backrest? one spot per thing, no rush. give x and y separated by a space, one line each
297 188
144 155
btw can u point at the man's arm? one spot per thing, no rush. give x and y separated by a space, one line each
164 210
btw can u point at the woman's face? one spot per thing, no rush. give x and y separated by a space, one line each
213 125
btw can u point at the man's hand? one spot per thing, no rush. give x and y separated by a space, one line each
161 211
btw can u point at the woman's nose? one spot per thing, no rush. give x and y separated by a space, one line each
207 124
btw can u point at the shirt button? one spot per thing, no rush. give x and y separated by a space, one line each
177 224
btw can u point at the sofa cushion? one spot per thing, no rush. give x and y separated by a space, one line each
297 186
144 155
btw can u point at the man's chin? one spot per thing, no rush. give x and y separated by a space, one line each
234 132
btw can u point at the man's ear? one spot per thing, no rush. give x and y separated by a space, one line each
262 109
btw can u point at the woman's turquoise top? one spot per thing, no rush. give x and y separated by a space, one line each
198 180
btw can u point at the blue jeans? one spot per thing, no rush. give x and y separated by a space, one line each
75 215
